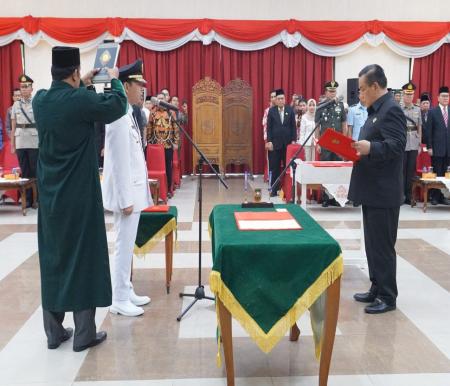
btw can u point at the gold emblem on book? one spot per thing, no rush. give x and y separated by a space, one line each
105 57
335 141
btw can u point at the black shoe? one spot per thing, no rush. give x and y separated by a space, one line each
407 201
434 202
273 194
445 201
67 335
333 202
100 337
365 297
379 307
325 204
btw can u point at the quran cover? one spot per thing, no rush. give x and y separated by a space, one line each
105 57
338 143
266 221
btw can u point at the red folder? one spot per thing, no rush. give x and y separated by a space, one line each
157 208
338 143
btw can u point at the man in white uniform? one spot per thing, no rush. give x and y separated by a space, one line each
125 191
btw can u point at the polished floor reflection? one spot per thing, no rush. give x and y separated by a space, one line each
410 346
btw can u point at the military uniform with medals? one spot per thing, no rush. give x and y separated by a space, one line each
332 117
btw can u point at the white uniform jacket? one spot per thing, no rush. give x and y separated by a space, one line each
125 176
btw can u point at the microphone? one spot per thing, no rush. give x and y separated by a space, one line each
329 102
163 104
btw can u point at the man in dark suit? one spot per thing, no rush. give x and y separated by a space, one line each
281 131
438 141
425 104
377 184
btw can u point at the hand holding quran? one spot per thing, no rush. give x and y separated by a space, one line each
340 144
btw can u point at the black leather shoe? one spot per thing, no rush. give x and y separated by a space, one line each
325 204
445 201
407 201
67 335
434 202
365 297
100 337
379 307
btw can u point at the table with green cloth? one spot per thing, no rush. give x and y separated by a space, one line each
267 279
152 228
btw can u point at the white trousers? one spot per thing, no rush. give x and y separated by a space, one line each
126 229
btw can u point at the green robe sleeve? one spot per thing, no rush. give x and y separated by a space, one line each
104 107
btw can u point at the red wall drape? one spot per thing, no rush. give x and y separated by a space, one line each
432 71
10 70
294 69
77 30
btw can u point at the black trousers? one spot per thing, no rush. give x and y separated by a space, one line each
440 165
169 165
277 159
409 171
28 164
380 235
326 155
85 328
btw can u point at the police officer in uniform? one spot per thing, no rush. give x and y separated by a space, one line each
332 116
413 137
24 134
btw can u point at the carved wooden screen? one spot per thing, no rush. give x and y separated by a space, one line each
207 121
237 126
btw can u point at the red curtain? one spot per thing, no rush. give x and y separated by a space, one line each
10 70
432 71
334 33
294 69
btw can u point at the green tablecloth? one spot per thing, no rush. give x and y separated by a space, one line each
267 279
153 227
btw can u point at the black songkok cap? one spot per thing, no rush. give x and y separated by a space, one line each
63 57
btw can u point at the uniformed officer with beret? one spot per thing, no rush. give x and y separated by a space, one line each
331 116
24 134
413 137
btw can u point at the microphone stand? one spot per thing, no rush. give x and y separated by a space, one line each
200 290
293 164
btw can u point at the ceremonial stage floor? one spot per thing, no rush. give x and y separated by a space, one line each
408 347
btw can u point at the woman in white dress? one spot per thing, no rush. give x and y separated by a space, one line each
307 125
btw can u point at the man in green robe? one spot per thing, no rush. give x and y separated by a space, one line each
73 250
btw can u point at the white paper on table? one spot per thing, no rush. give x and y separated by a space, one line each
247 225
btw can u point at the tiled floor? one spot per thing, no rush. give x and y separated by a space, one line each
408 347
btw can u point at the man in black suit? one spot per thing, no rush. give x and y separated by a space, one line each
377 184
281 131
438 141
